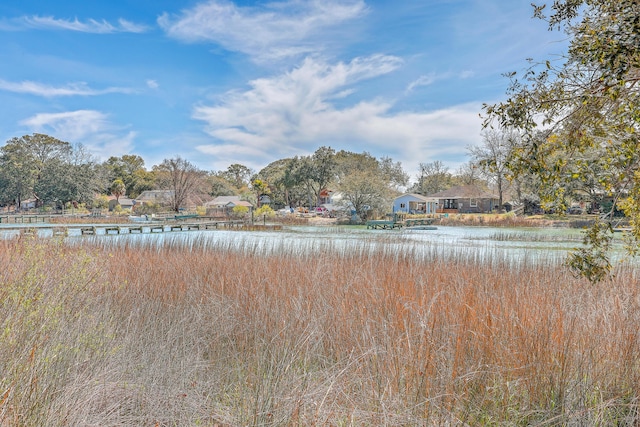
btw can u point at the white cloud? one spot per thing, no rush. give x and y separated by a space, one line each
274 30
90 26
89 127
72 89
294 113
152 84
425 80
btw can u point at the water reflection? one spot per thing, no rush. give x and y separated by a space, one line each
515 245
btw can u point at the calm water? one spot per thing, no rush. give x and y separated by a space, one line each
515 244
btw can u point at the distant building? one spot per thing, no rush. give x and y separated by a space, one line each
160 197
223 205
465 199
415 204
124 202
165 198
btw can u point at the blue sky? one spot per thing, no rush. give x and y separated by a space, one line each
220 82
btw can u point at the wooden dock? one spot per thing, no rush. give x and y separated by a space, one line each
399 221
65 230
382 224
26 219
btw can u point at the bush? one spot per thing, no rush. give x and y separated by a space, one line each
264 210
100 202
240 211
148 208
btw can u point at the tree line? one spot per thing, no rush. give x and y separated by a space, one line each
52 173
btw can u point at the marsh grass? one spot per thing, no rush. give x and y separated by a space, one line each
502 236
191 333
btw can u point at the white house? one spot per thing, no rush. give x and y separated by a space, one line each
415 204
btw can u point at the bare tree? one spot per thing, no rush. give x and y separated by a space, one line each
492 158
433 177
469 174
182 178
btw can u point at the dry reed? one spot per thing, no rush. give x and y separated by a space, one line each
177 334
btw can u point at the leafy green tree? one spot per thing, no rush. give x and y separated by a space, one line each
118 189
284 186
367 184
143 180
274 174
238 175
74 177
16 173
130 169
31 165
260 188
583 113
395 175
315 172
219 186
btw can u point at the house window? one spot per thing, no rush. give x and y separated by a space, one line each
403 205
450 204
473 203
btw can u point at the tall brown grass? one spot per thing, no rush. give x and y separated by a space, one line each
171 335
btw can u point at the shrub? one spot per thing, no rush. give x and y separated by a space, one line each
264 210
240 211
148 208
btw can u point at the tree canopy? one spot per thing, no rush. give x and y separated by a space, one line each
580 117
49 170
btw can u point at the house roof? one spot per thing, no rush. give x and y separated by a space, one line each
152 195
228 201
240 203
123 201
165 196
464 192
419 197
222 201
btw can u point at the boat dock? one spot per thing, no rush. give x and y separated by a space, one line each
399 221
113 229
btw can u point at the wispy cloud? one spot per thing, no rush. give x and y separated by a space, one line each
47 91
424 80
431 78
297 112
89 26
274 30
88 127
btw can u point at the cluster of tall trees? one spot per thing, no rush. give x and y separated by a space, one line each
55 173
365 182
48 170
